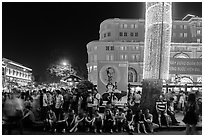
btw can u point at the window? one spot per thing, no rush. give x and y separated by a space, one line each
125 57
132 26
136 26
125 33
109 34
90 68
198 32
112 48
184 26
107 57
111 57
185 35
174 34
181 26
133 57
121 25
174 26
125 25
131 34
125 48
121 57
107 47
198 41
104 35
95 48
136 34
13 72
181 34
121 34
121 48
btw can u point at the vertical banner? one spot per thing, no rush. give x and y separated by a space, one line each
118 73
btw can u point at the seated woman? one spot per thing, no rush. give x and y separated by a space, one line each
139 121
108 121
98 123
89 122
50 120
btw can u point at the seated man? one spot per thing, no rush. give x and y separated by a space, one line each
98 123
161 108
50 120
171 112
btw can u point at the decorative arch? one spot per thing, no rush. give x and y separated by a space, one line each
132 75
181 55
186 79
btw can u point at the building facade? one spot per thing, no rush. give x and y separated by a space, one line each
122 40
14 73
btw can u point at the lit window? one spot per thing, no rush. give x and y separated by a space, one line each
185 35
198 32
133 56
95 67
121 48
185 26
125 48
121 25
121 34
181 34
112 48
125 33
109 34
131 34
125 25
181 26
174 34
136 26
107 57
136 34
107 47
198 41
90 68
95 48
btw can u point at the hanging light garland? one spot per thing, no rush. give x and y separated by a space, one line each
158 23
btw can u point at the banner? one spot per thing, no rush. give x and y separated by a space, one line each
191 66
113 72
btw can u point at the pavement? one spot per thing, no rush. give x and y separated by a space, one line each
172 130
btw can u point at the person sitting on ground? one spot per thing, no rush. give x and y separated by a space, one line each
71 119
29 117
119 120
50 120
161 108
148 118
171 112
61 124
108 121
129 121
78 123
98 123
89 123
139 121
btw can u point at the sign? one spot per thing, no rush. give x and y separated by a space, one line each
191 66
113 72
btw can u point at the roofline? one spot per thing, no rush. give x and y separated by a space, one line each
16 64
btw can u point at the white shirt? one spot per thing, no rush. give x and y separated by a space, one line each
45 100
59 101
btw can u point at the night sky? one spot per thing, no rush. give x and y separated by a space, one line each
39 34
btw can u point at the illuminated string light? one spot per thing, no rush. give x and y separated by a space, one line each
158 23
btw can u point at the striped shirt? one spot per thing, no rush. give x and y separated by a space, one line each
161 105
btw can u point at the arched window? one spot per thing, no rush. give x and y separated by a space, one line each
132 75
181 55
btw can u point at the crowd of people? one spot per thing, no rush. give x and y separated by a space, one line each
63 110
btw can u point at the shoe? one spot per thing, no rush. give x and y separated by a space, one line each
145 132
55 130
138 132
63 131
111 131
100 131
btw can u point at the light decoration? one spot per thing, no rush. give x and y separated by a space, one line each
158 27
